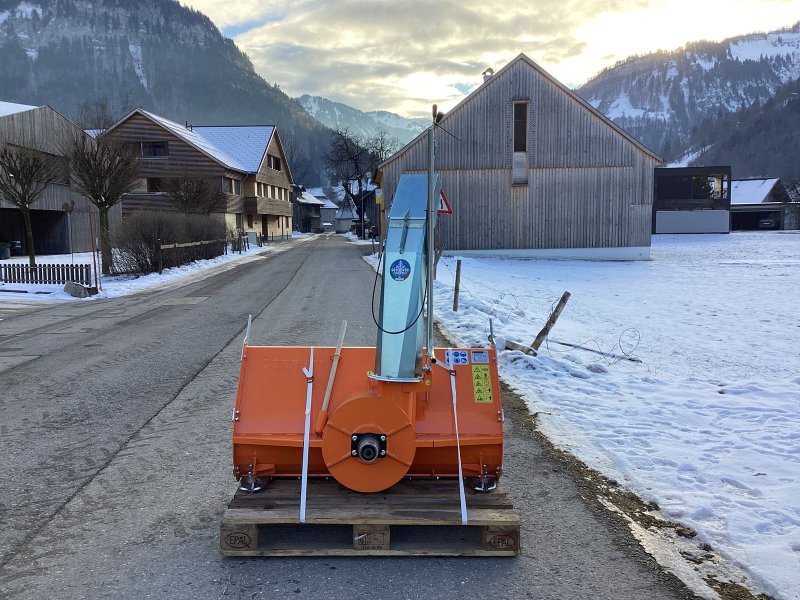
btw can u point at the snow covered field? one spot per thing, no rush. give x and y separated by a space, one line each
708 424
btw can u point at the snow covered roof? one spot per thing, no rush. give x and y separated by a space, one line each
751 191
198 141
246 144
329 204
10 108
237 147
307 198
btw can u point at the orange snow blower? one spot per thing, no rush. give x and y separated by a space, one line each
326 411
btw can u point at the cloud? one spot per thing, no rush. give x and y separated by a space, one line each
403 55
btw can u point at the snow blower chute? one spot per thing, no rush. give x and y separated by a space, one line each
418 412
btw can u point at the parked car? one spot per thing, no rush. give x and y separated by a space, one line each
766 223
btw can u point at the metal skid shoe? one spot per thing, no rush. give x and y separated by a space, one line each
484 485
251 484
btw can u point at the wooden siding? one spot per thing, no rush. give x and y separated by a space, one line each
589 186
183 159
46 130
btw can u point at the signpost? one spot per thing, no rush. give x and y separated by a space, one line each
444 205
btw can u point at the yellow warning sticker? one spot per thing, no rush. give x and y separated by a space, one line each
481 384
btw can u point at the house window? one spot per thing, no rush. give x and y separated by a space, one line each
154 185
286 220
274 162
237 187
520 127
249 220
155 149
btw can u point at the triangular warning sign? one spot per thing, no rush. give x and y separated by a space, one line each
444 205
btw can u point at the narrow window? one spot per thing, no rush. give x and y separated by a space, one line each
519 164
249 221
520 127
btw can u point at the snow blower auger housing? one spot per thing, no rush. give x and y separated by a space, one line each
327 411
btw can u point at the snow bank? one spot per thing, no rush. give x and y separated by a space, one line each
120 285
707 424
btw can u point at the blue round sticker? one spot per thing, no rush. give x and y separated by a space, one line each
400 270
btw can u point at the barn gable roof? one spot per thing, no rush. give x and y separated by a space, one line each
532 64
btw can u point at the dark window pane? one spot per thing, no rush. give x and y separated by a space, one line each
520 127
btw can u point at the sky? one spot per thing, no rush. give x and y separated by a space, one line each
404 55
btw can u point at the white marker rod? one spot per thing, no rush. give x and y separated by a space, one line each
462 496
322 418
309 373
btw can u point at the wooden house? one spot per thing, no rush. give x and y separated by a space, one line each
307 217
55 230
532 169
246 161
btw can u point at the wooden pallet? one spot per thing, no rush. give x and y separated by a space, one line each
413 518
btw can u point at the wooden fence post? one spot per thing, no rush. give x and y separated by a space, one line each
550 322
457 285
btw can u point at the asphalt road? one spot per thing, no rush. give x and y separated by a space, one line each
115 454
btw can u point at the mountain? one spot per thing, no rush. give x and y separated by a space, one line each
337 115
760 141
153 54
661 97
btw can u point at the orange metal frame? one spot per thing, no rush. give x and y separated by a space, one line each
416 418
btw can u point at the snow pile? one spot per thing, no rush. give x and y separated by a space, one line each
707 424
121 285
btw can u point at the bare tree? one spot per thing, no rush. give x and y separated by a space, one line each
348 160
24 175
100 114
381 145
793 189
297 161
189 194
104 170
354 159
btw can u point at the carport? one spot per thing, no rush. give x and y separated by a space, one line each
50 230
746 217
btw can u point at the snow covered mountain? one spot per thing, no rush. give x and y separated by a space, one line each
154 54
337 115
661 97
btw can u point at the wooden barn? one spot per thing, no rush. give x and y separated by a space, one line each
532 169
55 231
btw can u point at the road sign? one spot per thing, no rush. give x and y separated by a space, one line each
444 205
